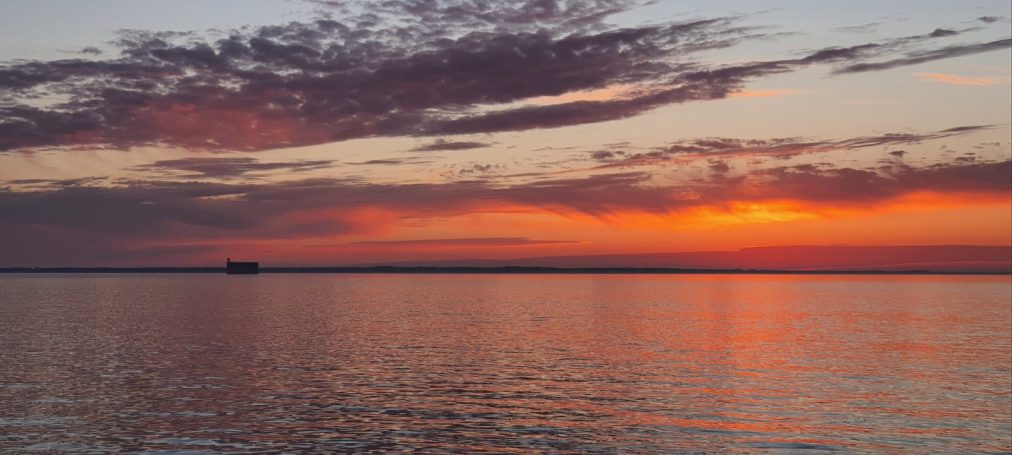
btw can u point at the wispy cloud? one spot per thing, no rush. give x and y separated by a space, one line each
870 27
786 147
442 145
469 242
955 79
919 57
229 167
764 93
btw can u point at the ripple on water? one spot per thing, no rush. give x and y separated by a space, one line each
505 364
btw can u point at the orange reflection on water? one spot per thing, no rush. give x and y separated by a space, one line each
516 363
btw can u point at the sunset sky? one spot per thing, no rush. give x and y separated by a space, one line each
334 132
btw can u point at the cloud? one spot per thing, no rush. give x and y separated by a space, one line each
849 186
445 145
401 69
688 83
940 32
72 247
915 58
941 258
57 183
126 215
143 208
870 27
955 79
390 162
777 147
763 93
479 168
229 167
718 166
605 155
329 80
470 242
907 138
436 16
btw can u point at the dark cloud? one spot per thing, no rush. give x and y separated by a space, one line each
940 32
968 157
390 162
131 210
898 153
906 138
229 167
471 169
329 80
605 155
435 16
718 166
135 212
40 245
989 19
857 186
722 80
401 68
915 58
56 183
445 145
735 75
722 144
463 242
782 148
383 162
577 112
870 27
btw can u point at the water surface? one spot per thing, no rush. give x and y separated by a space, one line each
505 363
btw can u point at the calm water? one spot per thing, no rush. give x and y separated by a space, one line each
499 363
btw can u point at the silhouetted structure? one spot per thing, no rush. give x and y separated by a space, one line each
241 268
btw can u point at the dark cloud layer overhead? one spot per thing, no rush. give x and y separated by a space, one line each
394 68
323 81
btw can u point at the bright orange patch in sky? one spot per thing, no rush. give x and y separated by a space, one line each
955 79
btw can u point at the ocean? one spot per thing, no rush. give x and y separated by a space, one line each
201 363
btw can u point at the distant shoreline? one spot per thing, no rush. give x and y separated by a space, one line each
506 270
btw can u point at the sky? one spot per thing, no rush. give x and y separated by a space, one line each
728 134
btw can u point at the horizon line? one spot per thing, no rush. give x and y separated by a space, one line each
508 269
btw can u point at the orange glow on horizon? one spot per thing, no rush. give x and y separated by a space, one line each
375 234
